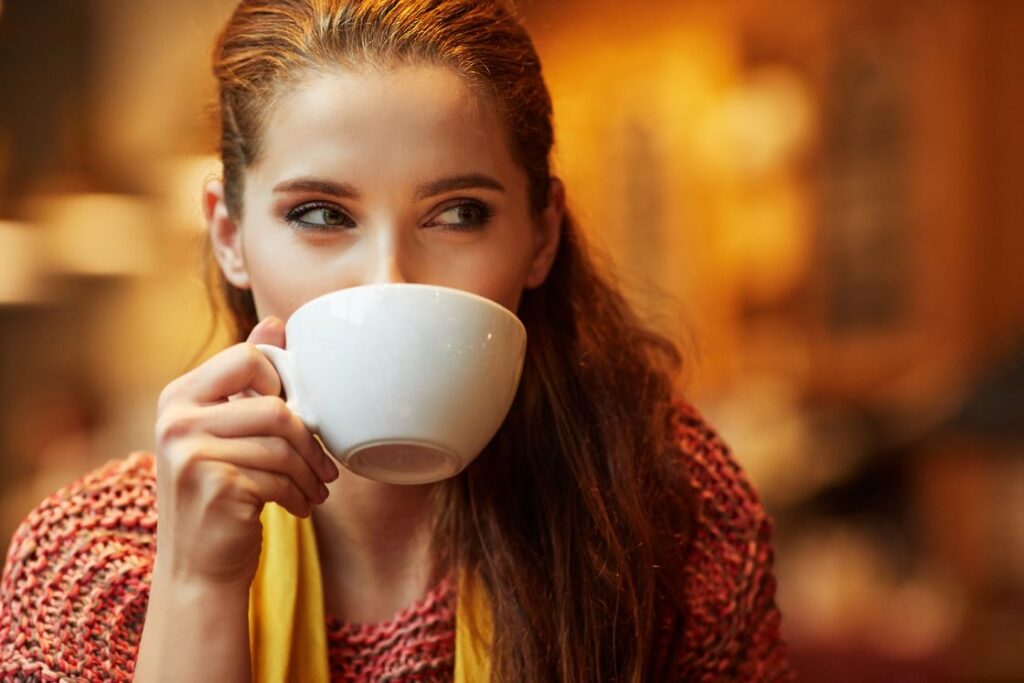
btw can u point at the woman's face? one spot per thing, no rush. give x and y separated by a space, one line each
402 176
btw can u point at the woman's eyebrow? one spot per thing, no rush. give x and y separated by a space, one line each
458 182
343 190
434 187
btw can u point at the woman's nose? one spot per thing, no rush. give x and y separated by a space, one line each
389 263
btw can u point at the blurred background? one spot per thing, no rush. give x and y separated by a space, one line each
820 200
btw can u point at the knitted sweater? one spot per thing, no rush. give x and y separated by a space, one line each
75 585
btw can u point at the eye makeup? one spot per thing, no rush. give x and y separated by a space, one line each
332 218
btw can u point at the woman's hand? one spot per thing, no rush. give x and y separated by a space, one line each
226 445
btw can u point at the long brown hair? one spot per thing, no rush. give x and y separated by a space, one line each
573 515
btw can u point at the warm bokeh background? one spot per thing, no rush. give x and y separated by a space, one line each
818 199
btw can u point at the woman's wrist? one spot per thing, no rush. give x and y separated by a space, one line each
181 585
200 595
195 630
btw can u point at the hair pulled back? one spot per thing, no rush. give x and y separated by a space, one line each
573 514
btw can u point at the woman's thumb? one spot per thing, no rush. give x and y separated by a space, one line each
270 330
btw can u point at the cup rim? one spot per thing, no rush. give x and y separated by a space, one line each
406 285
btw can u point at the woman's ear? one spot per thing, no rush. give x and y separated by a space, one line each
225 235
548 233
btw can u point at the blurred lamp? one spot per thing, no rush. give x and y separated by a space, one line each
760 125
21 279
98 234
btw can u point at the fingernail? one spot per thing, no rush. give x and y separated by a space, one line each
332 469
323 493
265 322
259 325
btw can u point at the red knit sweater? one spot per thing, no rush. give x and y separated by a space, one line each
76 584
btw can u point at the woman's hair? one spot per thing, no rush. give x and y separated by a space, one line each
573 516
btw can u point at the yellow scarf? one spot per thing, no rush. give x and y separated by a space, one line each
287 633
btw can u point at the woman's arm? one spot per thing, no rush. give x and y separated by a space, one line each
195 632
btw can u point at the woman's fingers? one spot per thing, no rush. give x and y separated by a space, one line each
267 415
268 454
205 469
229 372
274 487
232 371
270 330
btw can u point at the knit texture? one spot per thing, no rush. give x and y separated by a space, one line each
76 581
417 645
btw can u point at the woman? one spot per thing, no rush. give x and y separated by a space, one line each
613 536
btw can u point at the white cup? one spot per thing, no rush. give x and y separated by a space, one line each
403 383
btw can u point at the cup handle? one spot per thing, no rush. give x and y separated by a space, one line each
283 363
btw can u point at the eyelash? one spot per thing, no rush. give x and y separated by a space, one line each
292 217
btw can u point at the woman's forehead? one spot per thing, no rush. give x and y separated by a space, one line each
408 120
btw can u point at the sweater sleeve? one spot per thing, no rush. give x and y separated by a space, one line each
75 584
733 628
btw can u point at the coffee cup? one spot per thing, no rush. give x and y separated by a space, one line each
402 383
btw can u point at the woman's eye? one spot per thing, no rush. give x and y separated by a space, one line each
317 216
466 216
